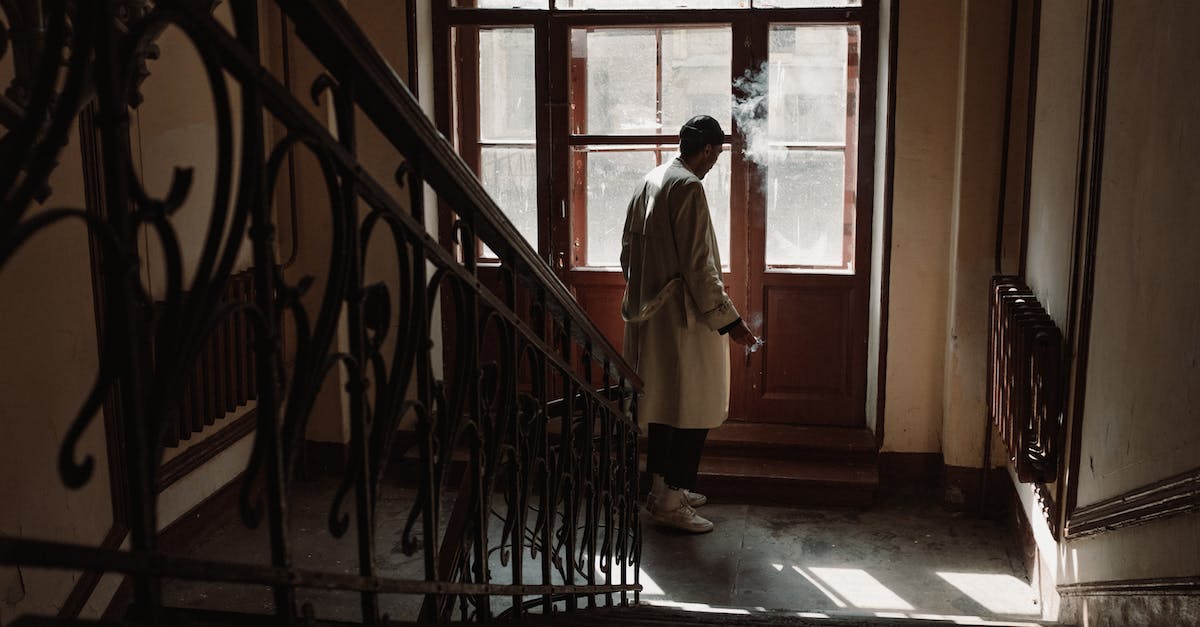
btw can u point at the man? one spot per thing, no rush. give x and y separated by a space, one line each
676 313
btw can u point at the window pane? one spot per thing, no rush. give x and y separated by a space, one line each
509 175
716 189
652 4
502 4
804 4
612 178
696 75
614 175
506 84
806 209
808 83
622 93
620 81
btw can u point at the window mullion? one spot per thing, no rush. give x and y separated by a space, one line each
658 78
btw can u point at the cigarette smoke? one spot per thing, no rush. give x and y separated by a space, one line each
750 112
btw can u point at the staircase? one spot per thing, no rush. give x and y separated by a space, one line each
746 462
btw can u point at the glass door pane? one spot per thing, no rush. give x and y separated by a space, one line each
501 4
614 173
507 126
652 4
639 81
811 132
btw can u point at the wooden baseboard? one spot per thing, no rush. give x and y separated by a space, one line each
905 469
178 535
961 489
958 486
186 462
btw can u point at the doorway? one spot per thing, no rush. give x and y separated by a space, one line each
790 198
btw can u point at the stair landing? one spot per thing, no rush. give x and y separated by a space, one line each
762 463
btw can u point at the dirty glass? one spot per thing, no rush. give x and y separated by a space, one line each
509 175
615 174
805 208
808 83
804 4
508 126
501 4
649 80
810 217
506 84
652 4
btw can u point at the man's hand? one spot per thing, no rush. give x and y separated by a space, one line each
742 334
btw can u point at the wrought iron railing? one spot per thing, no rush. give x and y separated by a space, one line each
540 402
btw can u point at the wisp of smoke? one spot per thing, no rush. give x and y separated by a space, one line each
750 112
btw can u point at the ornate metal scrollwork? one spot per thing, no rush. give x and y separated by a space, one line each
549 455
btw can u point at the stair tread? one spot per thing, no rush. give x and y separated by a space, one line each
770 435
789 470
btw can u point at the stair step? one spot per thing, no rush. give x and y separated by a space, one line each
781 441
787 482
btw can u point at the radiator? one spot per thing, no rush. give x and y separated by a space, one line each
1025 357
223 376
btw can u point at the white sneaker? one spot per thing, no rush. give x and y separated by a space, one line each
683 518
695 499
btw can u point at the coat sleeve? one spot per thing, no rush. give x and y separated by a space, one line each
698 261
626 237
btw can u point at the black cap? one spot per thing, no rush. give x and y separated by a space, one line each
703 130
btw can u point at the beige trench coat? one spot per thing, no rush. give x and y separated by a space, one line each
675 302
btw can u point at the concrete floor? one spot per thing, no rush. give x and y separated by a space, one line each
899 558
891 560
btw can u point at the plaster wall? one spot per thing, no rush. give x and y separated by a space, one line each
1141 417
983 64
306 218
176 127
49 349
1140 422
926 113
1053 185
49 338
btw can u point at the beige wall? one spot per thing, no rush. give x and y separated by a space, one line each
49 337
1140 422
1142 409
978 152
1055 158
926 97
176 127
48 343
1052 202
385 24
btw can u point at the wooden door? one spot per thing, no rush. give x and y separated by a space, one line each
808 236
789 200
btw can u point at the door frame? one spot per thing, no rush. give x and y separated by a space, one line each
556 219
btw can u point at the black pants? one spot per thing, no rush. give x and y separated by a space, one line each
675 454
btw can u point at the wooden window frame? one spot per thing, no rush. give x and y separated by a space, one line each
558 188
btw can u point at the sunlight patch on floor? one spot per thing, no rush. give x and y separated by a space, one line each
1002 594
860 589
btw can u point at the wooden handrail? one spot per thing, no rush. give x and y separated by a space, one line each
340 44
